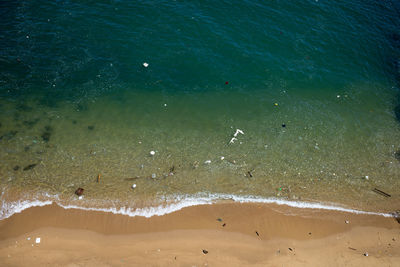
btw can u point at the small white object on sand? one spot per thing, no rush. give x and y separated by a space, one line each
207 162
28 238
145 64
152 153
222 158
153 176
133 186
80 197
346 221
37 241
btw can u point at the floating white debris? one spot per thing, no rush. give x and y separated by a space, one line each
222 158
338 96
133 186
37 240
232 140
153 176
165 105
152 153
207 162
366 177
145 64
238 131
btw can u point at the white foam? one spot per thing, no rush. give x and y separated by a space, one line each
179 202
10 208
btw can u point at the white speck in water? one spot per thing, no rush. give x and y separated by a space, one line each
207 162
145 64
152 153
153 176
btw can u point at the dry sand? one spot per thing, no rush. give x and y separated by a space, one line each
229 234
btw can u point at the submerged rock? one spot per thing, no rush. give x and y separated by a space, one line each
30 167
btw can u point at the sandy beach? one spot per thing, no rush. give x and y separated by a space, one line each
229 234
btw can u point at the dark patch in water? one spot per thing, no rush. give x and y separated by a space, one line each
30 167
16 168
8 135
74 122
47 133
91 127
24 107
31 123
26 149
397 155
82 107
46 136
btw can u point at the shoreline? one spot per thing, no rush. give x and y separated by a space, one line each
233 234
178 202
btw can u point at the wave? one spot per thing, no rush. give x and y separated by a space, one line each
177 203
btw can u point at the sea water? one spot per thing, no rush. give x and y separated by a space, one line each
313 86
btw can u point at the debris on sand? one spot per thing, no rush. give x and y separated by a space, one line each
380 192
79 191
205 251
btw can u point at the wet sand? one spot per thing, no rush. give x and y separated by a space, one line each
228 234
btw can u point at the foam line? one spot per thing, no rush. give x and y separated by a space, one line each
182 201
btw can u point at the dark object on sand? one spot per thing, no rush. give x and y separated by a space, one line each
250 174
16 168
205 251
224 225
290 249
219 219
30 167
257 233
90 127
380 192
79 191
352 248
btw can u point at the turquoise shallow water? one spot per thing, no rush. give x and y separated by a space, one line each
313 85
